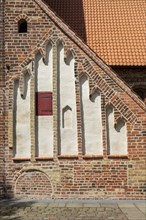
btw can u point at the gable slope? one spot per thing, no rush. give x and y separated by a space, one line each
113 29
61 25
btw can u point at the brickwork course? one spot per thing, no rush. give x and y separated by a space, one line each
63 177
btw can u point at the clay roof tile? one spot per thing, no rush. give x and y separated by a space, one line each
108 27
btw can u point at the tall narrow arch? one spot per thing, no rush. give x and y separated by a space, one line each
91 119
116 134
67 112
44 102
21 119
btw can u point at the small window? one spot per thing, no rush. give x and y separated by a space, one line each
22 26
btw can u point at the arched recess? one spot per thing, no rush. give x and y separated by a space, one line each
22 26
33 183
21 118
91 119
44 70
67 117
66 103
116 134
44 111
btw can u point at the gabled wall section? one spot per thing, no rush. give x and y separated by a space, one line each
72 174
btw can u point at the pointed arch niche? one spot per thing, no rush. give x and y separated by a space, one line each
21 119
43 89
116 134
67 117
91 119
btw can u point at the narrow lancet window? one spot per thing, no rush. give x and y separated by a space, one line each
22 26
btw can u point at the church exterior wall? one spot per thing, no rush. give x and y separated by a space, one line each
78 175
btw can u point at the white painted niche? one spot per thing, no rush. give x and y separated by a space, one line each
21 122
91 119
67 117
116 134
44 83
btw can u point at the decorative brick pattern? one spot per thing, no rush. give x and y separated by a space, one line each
77 176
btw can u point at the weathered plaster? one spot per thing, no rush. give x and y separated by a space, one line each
44 124
117 134
67 103
22 119
91 119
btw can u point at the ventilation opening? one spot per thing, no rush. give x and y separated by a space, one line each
22 26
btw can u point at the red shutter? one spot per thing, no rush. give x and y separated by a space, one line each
43 103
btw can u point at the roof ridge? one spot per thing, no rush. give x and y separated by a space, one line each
89 52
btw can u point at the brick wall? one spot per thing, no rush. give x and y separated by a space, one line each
2 127
107 177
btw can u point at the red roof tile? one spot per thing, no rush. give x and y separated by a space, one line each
113 29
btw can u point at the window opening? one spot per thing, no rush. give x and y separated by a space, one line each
22 26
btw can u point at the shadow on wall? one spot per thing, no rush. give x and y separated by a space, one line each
71 11
14 209
6 190
1 190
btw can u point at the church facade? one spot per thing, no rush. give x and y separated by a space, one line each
70 126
